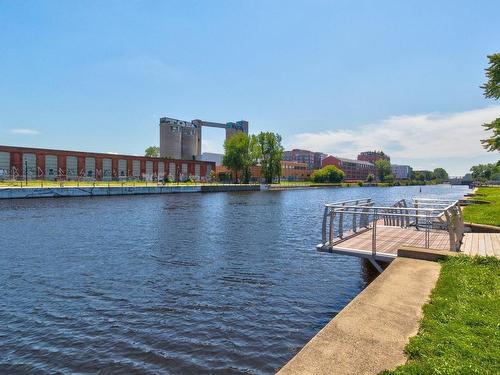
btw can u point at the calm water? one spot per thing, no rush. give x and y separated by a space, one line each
188 283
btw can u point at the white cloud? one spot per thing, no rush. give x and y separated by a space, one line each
424 137
24 131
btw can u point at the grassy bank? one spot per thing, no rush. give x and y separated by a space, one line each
485 213
459 333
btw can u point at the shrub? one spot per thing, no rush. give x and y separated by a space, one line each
168 179
330 173
389 179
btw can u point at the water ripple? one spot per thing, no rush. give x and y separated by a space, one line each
179 284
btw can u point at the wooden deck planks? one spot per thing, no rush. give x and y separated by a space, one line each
496 245
390 239
488 245
485 244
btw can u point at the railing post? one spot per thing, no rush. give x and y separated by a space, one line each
451 230
341 222
354 229
332 220
427 230
323 227
416 214
374 233
460 223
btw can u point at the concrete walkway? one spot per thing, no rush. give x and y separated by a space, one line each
370 333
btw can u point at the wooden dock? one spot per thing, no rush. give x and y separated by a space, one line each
484 244
377 233
390 239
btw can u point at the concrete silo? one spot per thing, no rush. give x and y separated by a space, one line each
189 142
236 127
170 138
182 140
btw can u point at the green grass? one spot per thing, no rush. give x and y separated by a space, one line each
460 330
485 213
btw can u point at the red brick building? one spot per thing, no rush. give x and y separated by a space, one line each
373 156
355 170
312 159
37 163
295 171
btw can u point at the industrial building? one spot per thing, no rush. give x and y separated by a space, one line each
295 171
401 172
212 156
355 170
373 156
48 164
182 139
312 159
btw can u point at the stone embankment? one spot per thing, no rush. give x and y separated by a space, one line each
57 192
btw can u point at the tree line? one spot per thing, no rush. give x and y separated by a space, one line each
242 151
486 172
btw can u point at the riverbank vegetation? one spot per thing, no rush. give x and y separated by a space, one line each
459 331
485 213
486 172
242 151
330 173
383 167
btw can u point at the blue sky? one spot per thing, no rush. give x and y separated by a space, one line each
332 76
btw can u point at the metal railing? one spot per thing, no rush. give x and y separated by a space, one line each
424 215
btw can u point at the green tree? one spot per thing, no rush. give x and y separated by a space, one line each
440 174
370 178
240 152
484 172
330 173
383 167
492 91
270 153
389 179
422 175
152 152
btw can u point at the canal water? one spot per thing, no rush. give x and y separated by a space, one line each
188 283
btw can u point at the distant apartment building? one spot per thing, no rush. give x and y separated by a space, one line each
312 159
373 156
294 171
401 172
355 170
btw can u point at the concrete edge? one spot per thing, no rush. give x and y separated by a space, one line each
369 334
482 228
432 255
90 191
